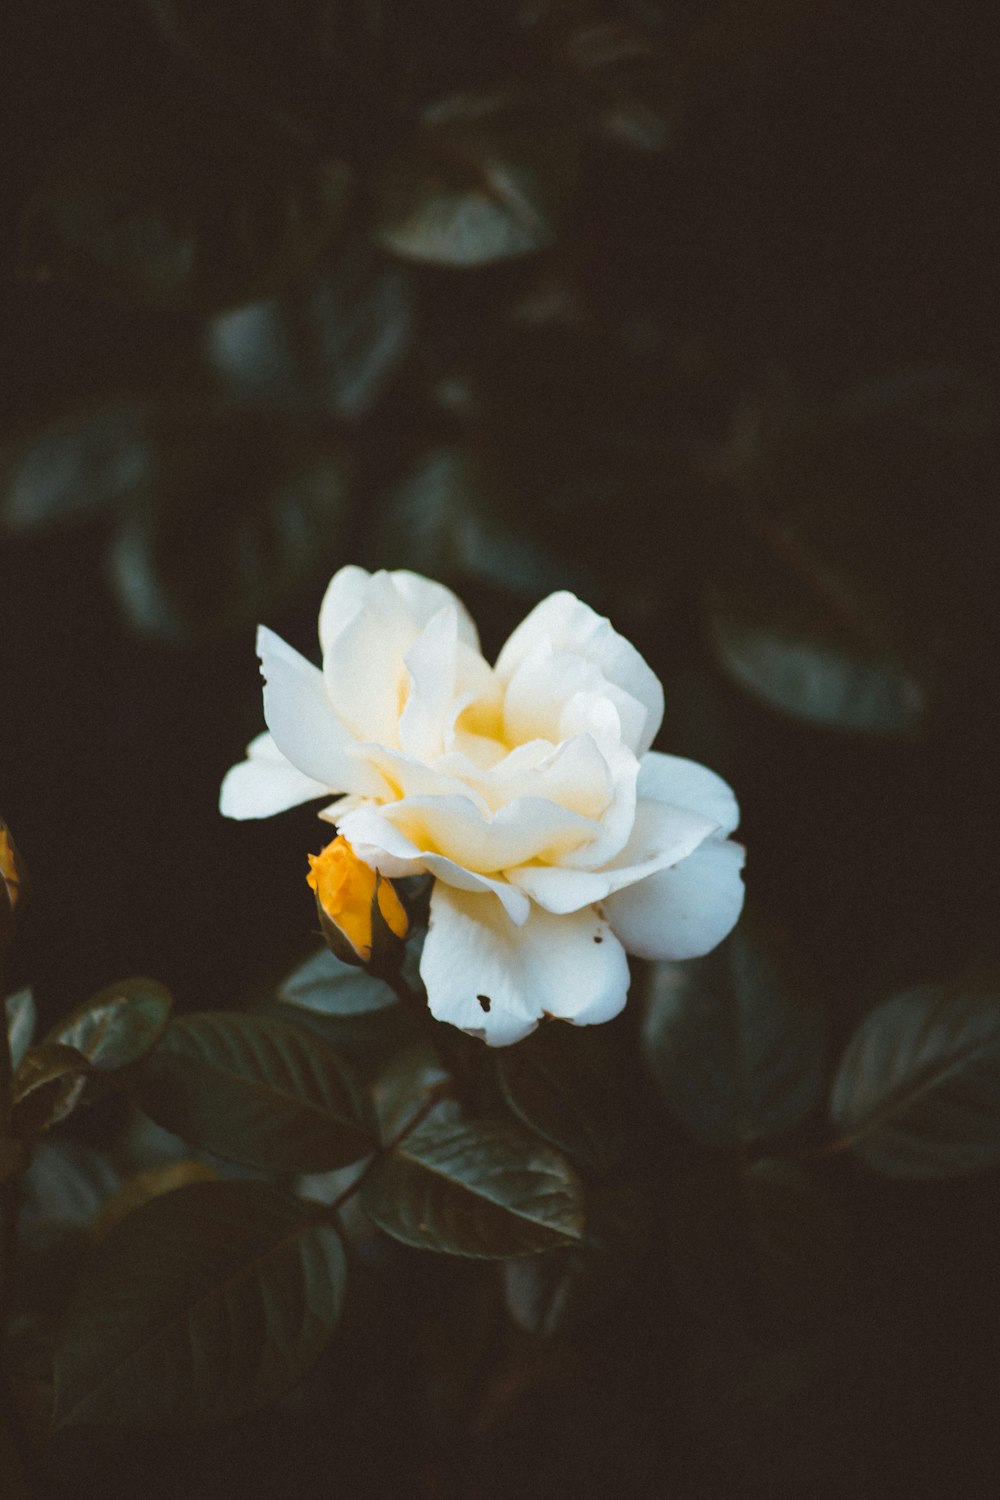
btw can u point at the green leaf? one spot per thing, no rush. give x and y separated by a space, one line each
403 1084
205 1303
20 1011
47 1087
243 512
738 1053
74 467
330 347
483 1189
332 988
256 1091
65 1188
13 1158
917 1093
562 1084
481 182
449 518
838 676
558 1292
118 1026
178 207
841 591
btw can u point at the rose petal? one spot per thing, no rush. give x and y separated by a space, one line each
685 911
562 623
527 828
685 783
303 723
265 783
349 590
662 836
364 663
431 668
383 846
497 981
546 681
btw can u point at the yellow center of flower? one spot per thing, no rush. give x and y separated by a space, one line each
345 887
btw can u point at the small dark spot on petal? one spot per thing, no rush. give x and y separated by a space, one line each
598 938
484 1001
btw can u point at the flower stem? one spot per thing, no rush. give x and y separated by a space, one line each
433 1098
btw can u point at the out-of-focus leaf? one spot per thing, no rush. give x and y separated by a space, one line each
917 1093
118 1026
292 60
737 1054
448 519
403 1084
257 1091
143 1186
20 1012
631 92
332 988
205 1303
839 674
842 600
13 1158
562 1083
242 516
482 181
556 1293
64 1189
330 347
47 1087
74 468
176 209
483 1189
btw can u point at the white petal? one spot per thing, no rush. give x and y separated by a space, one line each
385 847
364 663
562 623
349 590
431 665
685 783
345 594
496 980
527 828
546 681
303 723
685 911
265 783
661 836
423 598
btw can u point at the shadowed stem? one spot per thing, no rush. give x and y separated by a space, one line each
430 1103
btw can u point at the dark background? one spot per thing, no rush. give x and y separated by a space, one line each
721 356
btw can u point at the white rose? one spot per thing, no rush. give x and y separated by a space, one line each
558 840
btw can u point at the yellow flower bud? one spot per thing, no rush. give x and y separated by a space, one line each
9 873
12 888
359 910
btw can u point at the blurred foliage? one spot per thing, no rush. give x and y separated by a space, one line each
691 309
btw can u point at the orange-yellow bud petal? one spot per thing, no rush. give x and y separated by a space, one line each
345 892
10 875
